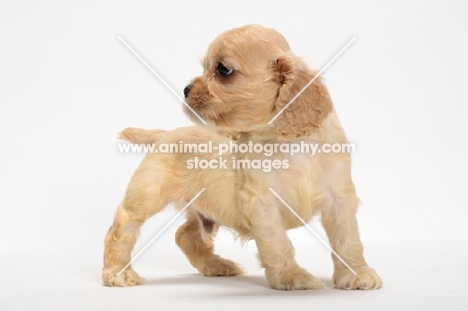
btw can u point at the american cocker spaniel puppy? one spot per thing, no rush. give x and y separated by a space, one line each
250 75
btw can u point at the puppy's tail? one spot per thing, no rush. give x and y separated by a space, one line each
141 136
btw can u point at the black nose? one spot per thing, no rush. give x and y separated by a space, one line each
187 90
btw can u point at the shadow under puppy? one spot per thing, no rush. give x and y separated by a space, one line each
250 74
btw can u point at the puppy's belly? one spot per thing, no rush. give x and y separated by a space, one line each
207 223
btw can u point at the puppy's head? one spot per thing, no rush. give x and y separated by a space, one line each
250 75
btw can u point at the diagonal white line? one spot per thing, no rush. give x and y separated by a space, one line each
313 79
161 79
313 231
160 232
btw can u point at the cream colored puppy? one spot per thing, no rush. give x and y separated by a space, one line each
250 74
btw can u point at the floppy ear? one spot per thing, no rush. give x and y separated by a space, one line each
305 114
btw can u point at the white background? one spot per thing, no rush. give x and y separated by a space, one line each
68 85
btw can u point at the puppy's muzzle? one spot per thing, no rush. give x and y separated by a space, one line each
187 90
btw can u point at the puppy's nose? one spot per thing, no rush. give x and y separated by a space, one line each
187 90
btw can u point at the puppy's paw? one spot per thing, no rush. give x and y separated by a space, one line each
292 279
365 279
126 278
218 266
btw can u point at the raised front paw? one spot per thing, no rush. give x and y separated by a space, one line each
292 279
126 278
365 279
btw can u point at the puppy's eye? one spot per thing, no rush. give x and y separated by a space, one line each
224 71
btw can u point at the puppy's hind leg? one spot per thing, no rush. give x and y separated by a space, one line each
143 199
195 239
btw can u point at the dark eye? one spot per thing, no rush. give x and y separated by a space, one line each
223 70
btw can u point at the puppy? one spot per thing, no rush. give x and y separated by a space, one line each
250 75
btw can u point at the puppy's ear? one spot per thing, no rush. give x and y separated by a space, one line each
304 115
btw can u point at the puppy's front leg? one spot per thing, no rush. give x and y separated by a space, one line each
276 251
341 227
